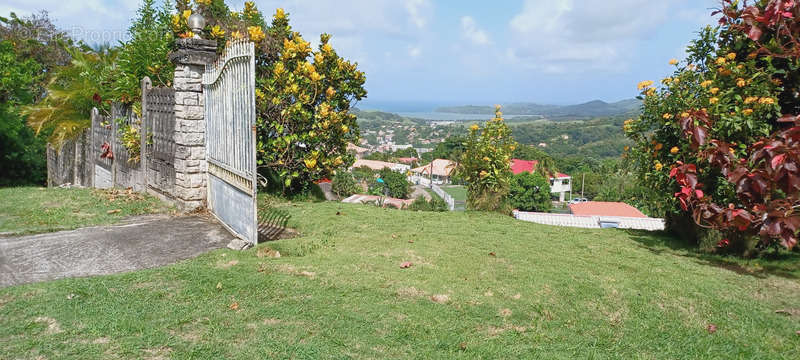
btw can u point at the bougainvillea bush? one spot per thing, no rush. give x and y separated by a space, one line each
720 138
485 164
303 96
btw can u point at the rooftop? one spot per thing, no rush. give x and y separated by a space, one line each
602 208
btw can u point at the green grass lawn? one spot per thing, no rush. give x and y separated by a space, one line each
481 286
26 210
458 192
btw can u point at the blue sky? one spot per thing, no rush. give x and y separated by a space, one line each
465 52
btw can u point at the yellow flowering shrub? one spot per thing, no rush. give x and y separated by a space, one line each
485 164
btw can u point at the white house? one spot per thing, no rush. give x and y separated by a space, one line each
560 184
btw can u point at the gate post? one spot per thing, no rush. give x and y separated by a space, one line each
190 60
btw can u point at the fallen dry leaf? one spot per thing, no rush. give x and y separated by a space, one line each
797 332
219 286
492 254
234 306
262 267
411 241
517 296
405 265
463 346
711 328
505 312
267 252
394 236
115 211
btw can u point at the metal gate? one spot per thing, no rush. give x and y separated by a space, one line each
229 87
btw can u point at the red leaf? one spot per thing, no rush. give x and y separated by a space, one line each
699 193
754 33
777 160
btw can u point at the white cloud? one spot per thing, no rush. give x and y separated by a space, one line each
559 35
471 32
414 51
418 12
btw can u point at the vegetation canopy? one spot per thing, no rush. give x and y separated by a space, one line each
720 138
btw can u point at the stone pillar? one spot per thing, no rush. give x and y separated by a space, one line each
190 59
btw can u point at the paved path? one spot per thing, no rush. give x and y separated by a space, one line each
138 243
419 190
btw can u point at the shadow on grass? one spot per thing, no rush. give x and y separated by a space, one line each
785 264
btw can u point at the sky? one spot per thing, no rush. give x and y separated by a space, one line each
458 52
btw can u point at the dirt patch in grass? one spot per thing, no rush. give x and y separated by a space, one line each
53 327
440 298
494 331
227 264
410 292
159 353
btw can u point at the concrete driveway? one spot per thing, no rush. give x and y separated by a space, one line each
137 243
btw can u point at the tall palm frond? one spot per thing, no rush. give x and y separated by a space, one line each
72 93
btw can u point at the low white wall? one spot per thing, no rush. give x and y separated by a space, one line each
590 222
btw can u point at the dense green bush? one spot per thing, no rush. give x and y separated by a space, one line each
530 192
343 184
27 64
396 184
436 204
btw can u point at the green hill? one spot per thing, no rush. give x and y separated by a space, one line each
590 109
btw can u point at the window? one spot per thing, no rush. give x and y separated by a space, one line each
565 182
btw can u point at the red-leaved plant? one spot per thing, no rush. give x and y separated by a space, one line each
767 180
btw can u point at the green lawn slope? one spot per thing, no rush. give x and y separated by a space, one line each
480 286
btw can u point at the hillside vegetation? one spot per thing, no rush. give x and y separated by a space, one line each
589 109
479 286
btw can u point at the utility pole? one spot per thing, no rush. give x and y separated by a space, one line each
583 180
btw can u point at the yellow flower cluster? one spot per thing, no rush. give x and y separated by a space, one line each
674 150
714 90
750 99
279 14
667 116
732 56
644 84
721 61
741 82
474 127
666 81
217 32
706 83
684 115
766 101
673 62
250 8
203 2
256 33
330 92
236 35
651 91
713 100
659 166
747 112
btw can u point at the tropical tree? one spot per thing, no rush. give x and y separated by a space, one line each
485 164
721 136
303 105
30 49
530 192
145 54
72 93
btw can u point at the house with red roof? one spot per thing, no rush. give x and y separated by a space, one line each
560 184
